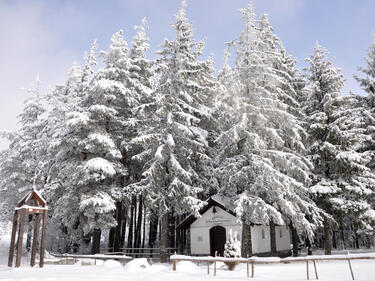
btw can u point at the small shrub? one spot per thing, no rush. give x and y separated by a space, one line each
232 249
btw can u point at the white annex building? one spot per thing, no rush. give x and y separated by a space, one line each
209 232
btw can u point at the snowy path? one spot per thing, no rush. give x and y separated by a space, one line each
363 270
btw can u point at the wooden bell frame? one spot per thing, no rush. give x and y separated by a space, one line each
24 208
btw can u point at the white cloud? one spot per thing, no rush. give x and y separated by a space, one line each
28 47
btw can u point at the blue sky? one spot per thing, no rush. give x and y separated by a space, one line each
46 37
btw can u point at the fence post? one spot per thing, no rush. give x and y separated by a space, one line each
307 264
215 263
316 272
252 269
351 270
208 267
247 266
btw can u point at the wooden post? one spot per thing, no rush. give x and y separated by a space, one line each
174 265
351 270
307 264
215 263
208 267
43 241
174 262
13 239
316 272
307 270
20 238
247 266
252 269
35 240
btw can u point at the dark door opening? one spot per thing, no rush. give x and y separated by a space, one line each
217 240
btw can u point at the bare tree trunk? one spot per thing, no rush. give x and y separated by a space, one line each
144 226
178 235
96 241
273 239
342 235
163 238
245 251
135 222
152 230
309 246
131 222
117 232
327 237
294 240
137 242
123 228
334 242
171 231
111 237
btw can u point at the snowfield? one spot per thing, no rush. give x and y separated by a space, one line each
138 269
111 270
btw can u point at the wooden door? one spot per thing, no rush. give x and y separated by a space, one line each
217 240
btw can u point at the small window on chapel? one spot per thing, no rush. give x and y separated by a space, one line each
200 238
263 234
281 233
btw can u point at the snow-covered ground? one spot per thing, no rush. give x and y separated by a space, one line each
111 270
140 270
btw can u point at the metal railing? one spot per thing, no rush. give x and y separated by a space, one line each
258 260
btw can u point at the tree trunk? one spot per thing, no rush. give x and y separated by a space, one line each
111 237
144 226
294 240
327 237
273 239
334 243
245 247
123 228
171 231
342 235
153 230
137 242
309 247
163 238
117 232
131 222
95 249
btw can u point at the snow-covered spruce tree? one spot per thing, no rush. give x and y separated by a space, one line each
342 182
367 104
66 126
21 161
368 85
140 84
232 248
175 135
368 82
260 151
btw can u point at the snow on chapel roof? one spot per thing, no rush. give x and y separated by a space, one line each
217 201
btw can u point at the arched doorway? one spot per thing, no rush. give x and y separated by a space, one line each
217 240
